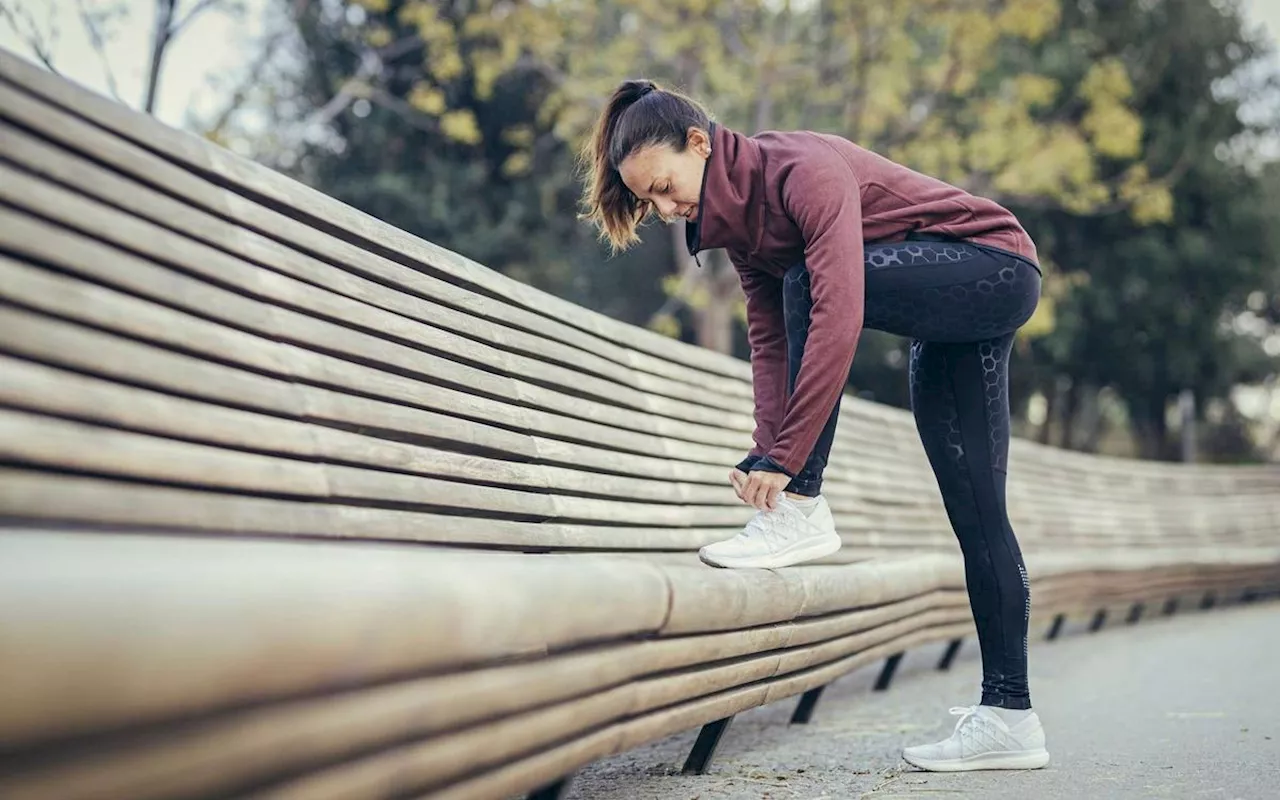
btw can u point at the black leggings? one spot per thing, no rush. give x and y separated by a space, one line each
960 304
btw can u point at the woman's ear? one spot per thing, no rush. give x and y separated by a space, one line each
700 141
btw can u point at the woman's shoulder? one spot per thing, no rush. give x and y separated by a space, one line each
808 151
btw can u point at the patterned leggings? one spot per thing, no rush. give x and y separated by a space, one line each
959 304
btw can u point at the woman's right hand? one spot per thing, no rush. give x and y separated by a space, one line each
739 480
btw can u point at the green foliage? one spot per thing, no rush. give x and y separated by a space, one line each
1105 126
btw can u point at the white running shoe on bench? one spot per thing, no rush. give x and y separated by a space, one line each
778 538
982 740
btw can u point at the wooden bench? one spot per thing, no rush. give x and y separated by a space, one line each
295 504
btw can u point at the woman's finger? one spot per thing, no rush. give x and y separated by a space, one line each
749 491
757 492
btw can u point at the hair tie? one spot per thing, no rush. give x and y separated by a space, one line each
646 90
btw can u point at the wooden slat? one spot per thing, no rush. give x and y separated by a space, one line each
114 357
61 165
340 616
252 745
40 389
137 318
560 319
112 504
40 241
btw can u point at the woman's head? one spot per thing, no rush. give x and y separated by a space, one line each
647 153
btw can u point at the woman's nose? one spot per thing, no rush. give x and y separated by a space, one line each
667 208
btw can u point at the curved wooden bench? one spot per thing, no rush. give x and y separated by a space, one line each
295 504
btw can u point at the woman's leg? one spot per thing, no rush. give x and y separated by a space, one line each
797 308
933 290
960 304
960 399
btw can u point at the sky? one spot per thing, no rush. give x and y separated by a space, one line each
215 47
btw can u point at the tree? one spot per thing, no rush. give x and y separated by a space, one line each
100 22
1152 310
951 87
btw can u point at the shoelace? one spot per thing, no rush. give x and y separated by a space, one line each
768 524
976 733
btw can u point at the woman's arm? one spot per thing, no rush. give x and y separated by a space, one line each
822 197
767 334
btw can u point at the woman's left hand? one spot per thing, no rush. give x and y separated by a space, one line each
763 488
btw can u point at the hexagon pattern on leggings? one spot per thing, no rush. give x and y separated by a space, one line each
994 354
965 311
909 253
933 403
930 369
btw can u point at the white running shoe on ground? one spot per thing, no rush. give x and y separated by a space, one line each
778 538
982 740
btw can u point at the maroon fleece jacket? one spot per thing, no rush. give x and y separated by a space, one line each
777 198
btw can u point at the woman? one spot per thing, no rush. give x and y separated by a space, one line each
828 238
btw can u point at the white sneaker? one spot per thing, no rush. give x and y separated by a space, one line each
982 740
778 538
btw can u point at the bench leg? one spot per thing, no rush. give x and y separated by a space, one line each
886 674
1171 607
704 748
808 701
1056 627
950 655
1099 620
1249 595
553 791
1135 613
1208 601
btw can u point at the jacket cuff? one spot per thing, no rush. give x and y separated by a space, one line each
769 465
749 463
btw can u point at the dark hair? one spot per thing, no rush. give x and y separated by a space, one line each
639 114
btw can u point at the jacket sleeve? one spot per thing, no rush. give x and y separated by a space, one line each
767 335
821 195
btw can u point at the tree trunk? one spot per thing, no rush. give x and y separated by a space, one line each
1089 432
1050 406
159 43
1070 409
1150 429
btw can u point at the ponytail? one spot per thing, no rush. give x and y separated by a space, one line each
639 114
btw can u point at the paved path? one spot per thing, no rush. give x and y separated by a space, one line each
1181 707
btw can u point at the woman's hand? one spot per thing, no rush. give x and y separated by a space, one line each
760 488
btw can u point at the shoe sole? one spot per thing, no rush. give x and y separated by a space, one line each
1024 759
807 550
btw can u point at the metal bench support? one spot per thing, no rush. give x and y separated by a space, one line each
808 702
952 649
886 674
553 791
1056 627
699 760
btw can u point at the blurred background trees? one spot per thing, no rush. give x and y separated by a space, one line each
1136 139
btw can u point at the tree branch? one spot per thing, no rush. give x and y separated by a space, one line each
99 43
253 77
32 36
204 5
371 63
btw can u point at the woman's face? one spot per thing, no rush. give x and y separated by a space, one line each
670 181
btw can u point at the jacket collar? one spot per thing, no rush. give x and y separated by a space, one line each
730 201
